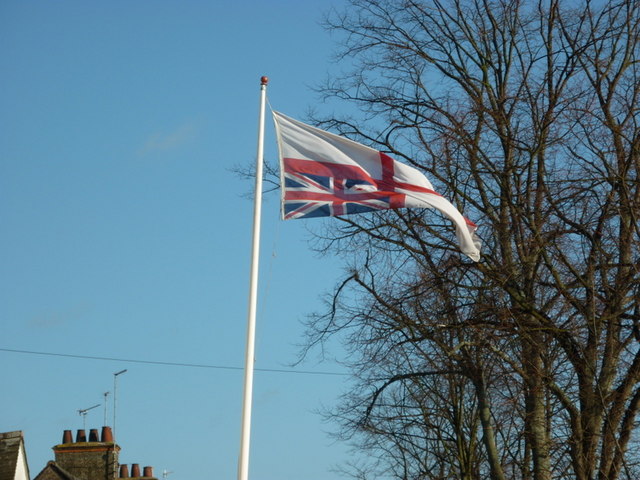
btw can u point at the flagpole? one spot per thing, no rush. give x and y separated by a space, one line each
245 435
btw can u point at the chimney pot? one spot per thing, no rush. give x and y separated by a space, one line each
67 437
135 470
107 435
81 436
93 435
148 472
124 471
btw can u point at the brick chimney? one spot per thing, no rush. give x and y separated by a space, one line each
96 459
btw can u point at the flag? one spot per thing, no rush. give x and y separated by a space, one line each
323 174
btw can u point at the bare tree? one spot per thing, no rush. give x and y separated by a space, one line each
527 364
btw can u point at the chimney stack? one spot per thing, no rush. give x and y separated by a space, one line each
96 459
92 460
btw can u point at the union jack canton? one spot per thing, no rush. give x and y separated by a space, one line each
320 189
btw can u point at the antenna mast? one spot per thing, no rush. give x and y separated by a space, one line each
106 394
115 390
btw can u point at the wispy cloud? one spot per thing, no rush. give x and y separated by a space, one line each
164 141
55 319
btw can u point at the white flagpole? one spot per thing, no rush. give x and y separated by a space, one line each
245 435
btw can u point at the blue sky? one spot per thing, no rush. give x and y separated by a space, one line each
125 234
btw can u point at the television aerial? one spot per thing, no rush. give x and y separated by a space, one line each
83 413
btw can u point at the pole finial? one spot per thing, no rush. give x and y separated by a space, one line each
264 80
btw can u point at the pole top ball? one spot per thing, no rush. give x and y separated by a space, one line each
264 80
